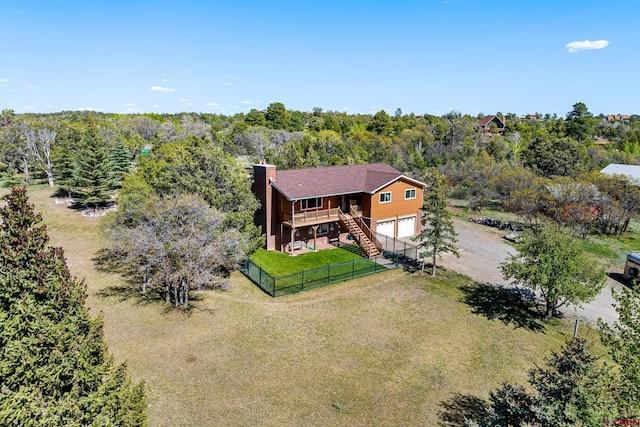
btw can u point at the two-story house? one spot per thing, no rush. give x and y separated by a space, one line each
309 206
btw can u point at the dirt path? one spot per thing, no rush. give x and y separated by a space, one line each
482 249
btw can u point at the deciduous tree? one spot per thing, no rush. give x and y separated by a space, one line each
551 262
173 245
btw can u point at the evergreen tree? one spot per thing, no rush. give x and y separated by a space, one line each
623 339
438 234
64 160
119 163
93 176
572 390
54 366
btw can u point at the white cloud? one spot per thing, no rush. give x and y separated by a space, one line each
28 107
129 104
31 87
156 105
246 102
577 46
48 106
184 100
161 89
165 80
4 80
211 104
227 84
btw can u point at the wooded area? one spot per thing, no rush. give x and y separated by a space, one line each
537 166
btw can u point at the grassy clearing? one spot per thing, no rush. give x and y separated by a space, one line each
281 264
613 248
387 349
309 270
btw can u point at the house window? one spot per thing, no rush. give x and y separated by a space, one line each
410 194
322 229
314 203
385 197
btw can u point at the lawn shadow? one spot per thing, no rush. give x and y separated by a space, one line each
461 408
512 306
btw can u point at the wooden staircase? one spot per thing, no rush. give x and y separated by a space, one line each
361 238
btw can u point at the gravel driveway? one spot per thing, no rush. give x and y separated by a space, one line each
482 249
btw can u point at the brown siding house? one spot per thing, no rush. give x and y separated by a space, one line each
322 204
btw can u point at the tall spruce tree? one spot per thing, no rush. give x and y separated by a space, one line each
54 365
119 163
93 176
438 234
573 389
64 161
623 341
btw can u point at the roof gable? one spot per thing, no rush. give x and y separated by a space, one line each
296 184
488 119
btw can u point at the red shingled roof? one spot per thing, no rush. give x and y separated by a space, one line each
487 119
327 181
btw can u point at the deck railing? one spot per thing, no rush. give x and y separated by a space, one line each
316 215
359 219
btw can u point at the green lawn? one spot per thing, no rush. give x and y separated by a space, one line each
281 264
296 273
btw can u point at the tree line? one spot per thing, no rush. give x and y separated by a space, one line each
544 167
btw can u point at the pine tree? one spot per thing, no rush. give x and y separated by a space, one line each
623 341
119 163
64 160
54 365
92 169
573 389
438 234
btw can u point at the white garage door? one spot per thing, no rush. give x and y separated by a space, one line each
406 227
386 228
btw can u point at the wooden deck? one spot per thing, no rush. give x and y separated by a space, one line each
311 217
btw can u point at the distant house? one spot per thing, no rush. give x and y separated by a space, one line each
315 206
631 171
618 118
530 117
490 123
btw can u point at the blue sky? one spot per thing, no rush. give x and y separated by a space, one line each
354 56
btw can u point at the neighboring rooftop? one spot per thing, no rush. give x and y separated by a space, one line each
632 171
488 119
327 181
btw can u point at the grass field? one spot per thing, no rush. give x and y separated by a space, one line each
388 349
294 274
281 264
